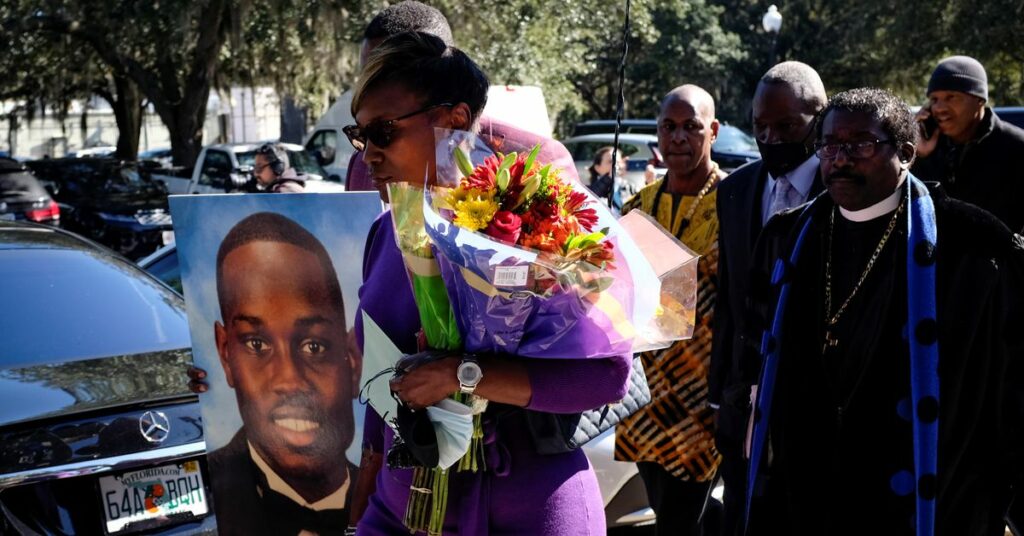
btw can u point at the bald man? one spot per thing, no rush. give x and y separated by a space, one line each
787 99
671 439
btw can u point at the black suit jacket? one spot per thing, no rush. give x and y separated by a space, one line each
738 329
237 500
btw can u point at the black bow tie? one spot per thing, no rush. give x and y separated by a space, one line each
290 517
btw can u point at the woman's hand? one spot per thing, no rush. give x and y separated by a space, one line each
427 384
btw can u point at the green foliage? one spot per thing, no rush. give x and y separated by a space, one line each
176 50
307 50
880 43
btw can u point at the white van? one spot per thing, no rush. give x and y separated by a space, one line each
522 106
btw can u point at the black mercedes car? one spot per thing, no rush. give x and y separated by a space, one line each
112 202
98 431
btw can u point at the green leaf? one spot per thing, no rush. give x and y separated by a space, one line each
462 161
529 189
503 179
545 171
507 162
530 159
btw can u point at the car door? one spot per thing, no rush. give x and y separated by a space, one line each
215 175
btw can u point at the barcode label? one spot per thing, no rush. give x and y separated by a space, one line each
511 276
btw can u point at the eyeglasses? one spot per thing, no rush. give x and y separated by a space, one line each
380 132
856 149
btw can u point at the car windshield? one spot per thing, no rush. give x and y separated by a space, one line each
65 305
300 160
733 140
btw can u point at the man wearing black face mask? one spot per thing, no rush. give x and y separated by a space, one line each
786 101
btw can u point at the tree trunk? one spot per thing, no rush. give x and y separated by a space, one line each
128 114
184 121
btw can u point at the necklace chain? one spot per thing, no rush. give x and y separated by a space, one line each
685 221
712 179
830 318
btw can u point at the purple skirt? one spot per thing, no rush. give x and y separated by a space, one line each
522 492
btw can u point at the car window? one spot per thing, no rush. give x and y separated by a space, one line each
166 269
733 140
643 128
1014 117
303 162
74 305
584 151
324 138
123 176
216 168
19 185
300 160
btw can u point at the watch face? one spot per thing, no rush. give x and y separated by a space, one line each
469 373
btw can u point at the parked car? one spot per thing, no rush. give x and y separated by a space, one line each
625 499
638 149
96 420
98 151
110 201
1011 114
22 197
228 167
731 149
156 158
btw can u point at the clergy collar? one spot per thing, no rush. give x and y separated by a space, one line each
877 210
335 500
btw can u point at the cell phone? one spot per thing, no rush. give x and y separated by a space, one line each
928 127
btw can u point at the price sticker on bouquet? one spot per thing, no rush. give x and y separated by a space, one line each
511 276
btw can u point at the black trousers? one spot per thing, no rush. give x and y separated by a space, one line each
677 503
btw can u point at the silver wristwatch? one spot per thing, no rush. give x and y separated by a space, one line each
469 375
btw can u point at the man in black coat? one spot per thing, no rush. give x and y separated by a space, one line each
891 393
787 99
285 350
966 147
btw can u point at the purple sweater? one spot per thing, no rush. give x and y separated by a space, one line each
522 492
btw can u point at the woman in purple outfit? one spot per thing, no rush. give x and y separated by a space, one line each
411 84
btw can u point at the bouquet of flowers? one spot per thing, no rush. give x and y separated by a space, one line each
535 266
507 255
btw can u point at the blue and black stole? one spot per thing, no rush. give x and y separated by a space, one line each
924 353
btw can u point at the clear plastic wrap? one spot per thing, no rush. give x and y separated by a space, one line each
517 300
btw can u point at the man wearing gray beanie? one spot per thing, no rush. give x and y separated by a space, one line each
964 145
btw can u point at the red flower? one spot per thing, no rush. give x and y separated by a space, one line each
484 176
505 226
576 205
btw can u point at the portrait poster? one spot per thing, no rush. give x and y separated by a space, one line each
271 287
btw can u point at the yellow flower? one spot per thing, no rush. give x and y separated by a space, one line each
475 210
458 194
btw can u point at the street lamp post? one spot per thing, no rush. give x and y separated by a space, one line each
772 23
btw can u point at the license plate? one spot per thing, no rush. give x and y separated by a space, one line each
142 499
167 237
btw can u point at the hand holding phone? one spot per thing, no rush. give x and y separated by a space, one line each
928 127
929 130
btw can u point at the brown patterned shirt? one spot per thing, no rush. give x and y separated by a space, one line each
675 429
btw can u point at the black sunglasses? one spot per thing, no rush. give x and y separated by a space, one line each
381 131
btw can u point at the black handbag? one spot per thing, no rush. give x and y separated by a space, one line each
556 433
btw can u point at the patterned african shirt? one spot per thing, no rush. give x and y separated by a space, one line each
675 429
